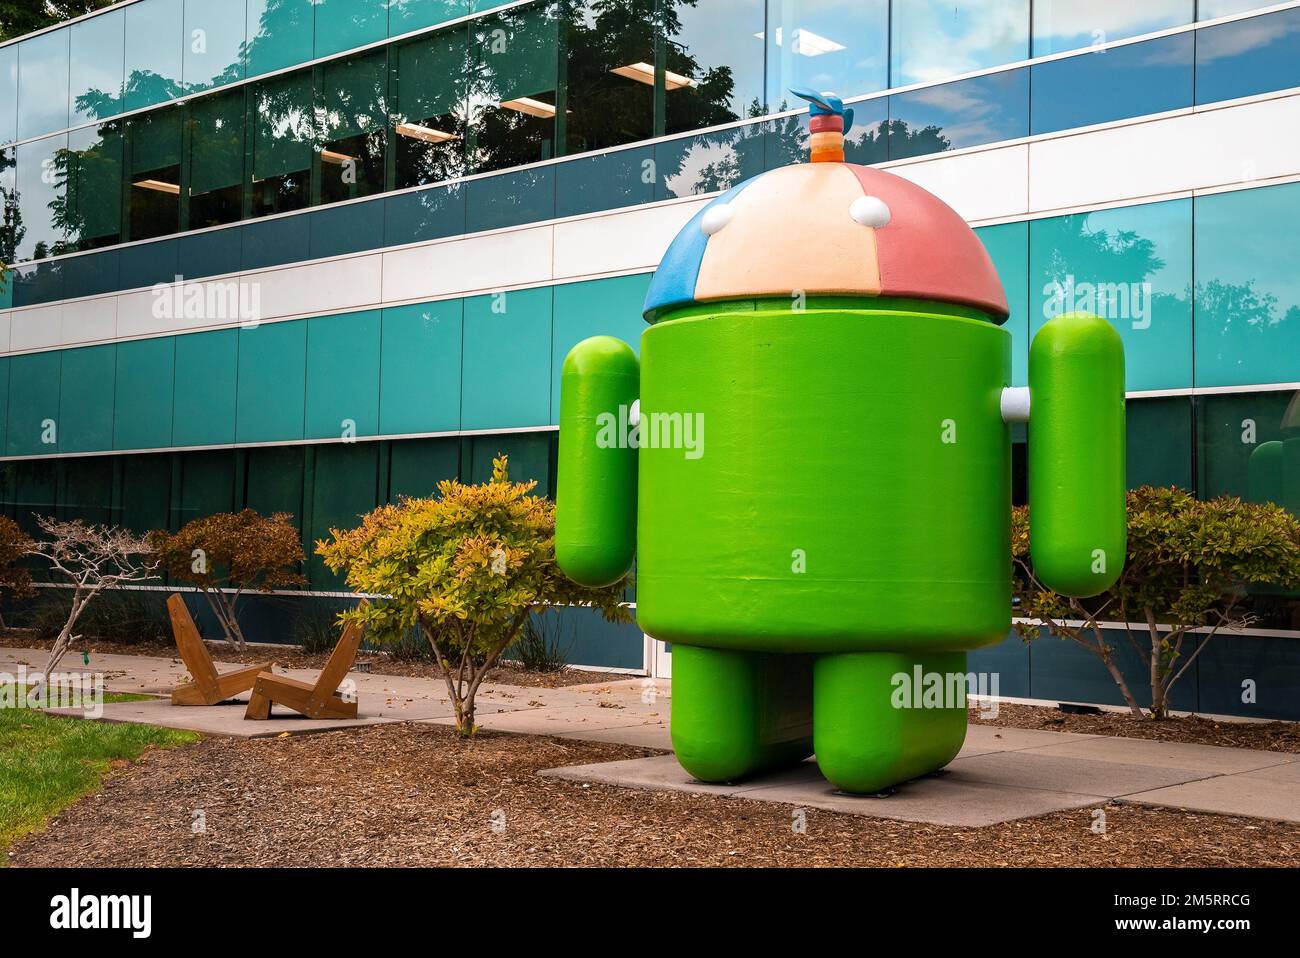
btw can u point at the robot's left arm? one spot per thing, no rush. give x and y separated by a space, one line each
1077 516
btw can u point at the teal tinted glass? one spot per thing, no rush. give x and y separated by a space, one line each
43 84
33 403
272 382
94 185
154 43
142 406
407 15
214 38
204 401
343 375
1158 435
42 186
429 80
86 399
714 62
9 93
1132 267
155 173
507 360
1238 439
513 88
216 159
279 34
1247 287
1008 247
283 140
98 48
354 127
839 45
1069 25
419 389
608 307
934 39
347 24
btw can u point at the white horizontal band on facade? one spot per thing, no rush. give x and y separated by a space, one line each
1120 164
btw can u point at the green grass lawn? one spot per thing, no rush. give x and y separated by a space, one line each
47 763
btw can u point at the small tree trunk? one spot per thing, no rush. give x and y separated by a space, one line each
1104 653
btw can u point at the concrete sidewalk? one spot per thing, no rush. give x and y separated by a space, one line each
1001 774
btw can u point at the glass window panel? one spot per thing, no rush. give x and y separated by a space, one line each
279 34
154 41
604 182
9 93
352 228
343 375
510 199
506 369
424 215
1008 247
214 39
512 104
951 116
1209 9
98 46
347 24
1248 445
216 159
1133 267
354 127
1068 24
43 84
285 239
711 162
1247 287
605 108
1113 84
429 83
714 62
9 211
838 45
407 15
92 275
213 253
1158 435
283 142
41 182
93 212
933 39
419 388
155 190
1247 57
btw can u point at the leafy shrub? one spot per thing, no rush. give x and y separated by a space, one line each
543 644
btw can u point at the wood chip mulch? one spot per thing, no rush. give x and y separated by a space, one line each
291 657
408 794
1264 736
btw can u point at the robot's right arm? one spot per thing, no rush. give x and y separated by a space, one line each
595 503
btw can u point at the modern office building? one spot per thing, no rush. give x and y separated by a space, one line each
311 256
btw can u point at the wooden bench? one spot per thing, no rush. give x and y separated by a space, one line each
318 701
207 685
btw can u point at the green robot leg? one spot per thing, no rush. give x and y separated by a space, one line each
738 713
881 718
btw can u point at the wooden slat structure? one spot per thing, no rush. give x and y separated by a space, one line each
207 686
319 701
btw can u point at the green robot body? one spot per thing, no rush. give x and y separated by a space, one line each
812 465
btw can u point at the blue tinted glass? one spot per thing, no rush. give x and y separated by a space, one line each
273 242
1133 267
1070 24
96 81
1209 9
38 283
605 181
934 39
714 62
1113 84
1247 287
91 275
210 254
951 116
43 84
510 199
424 215
153 51
9 93
407 15
349 228
279 34
839 45
214 36
1248 57
148 263
42 182
709 163
345 24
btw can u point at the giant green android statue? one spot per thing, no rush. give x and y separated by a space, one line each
811 463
